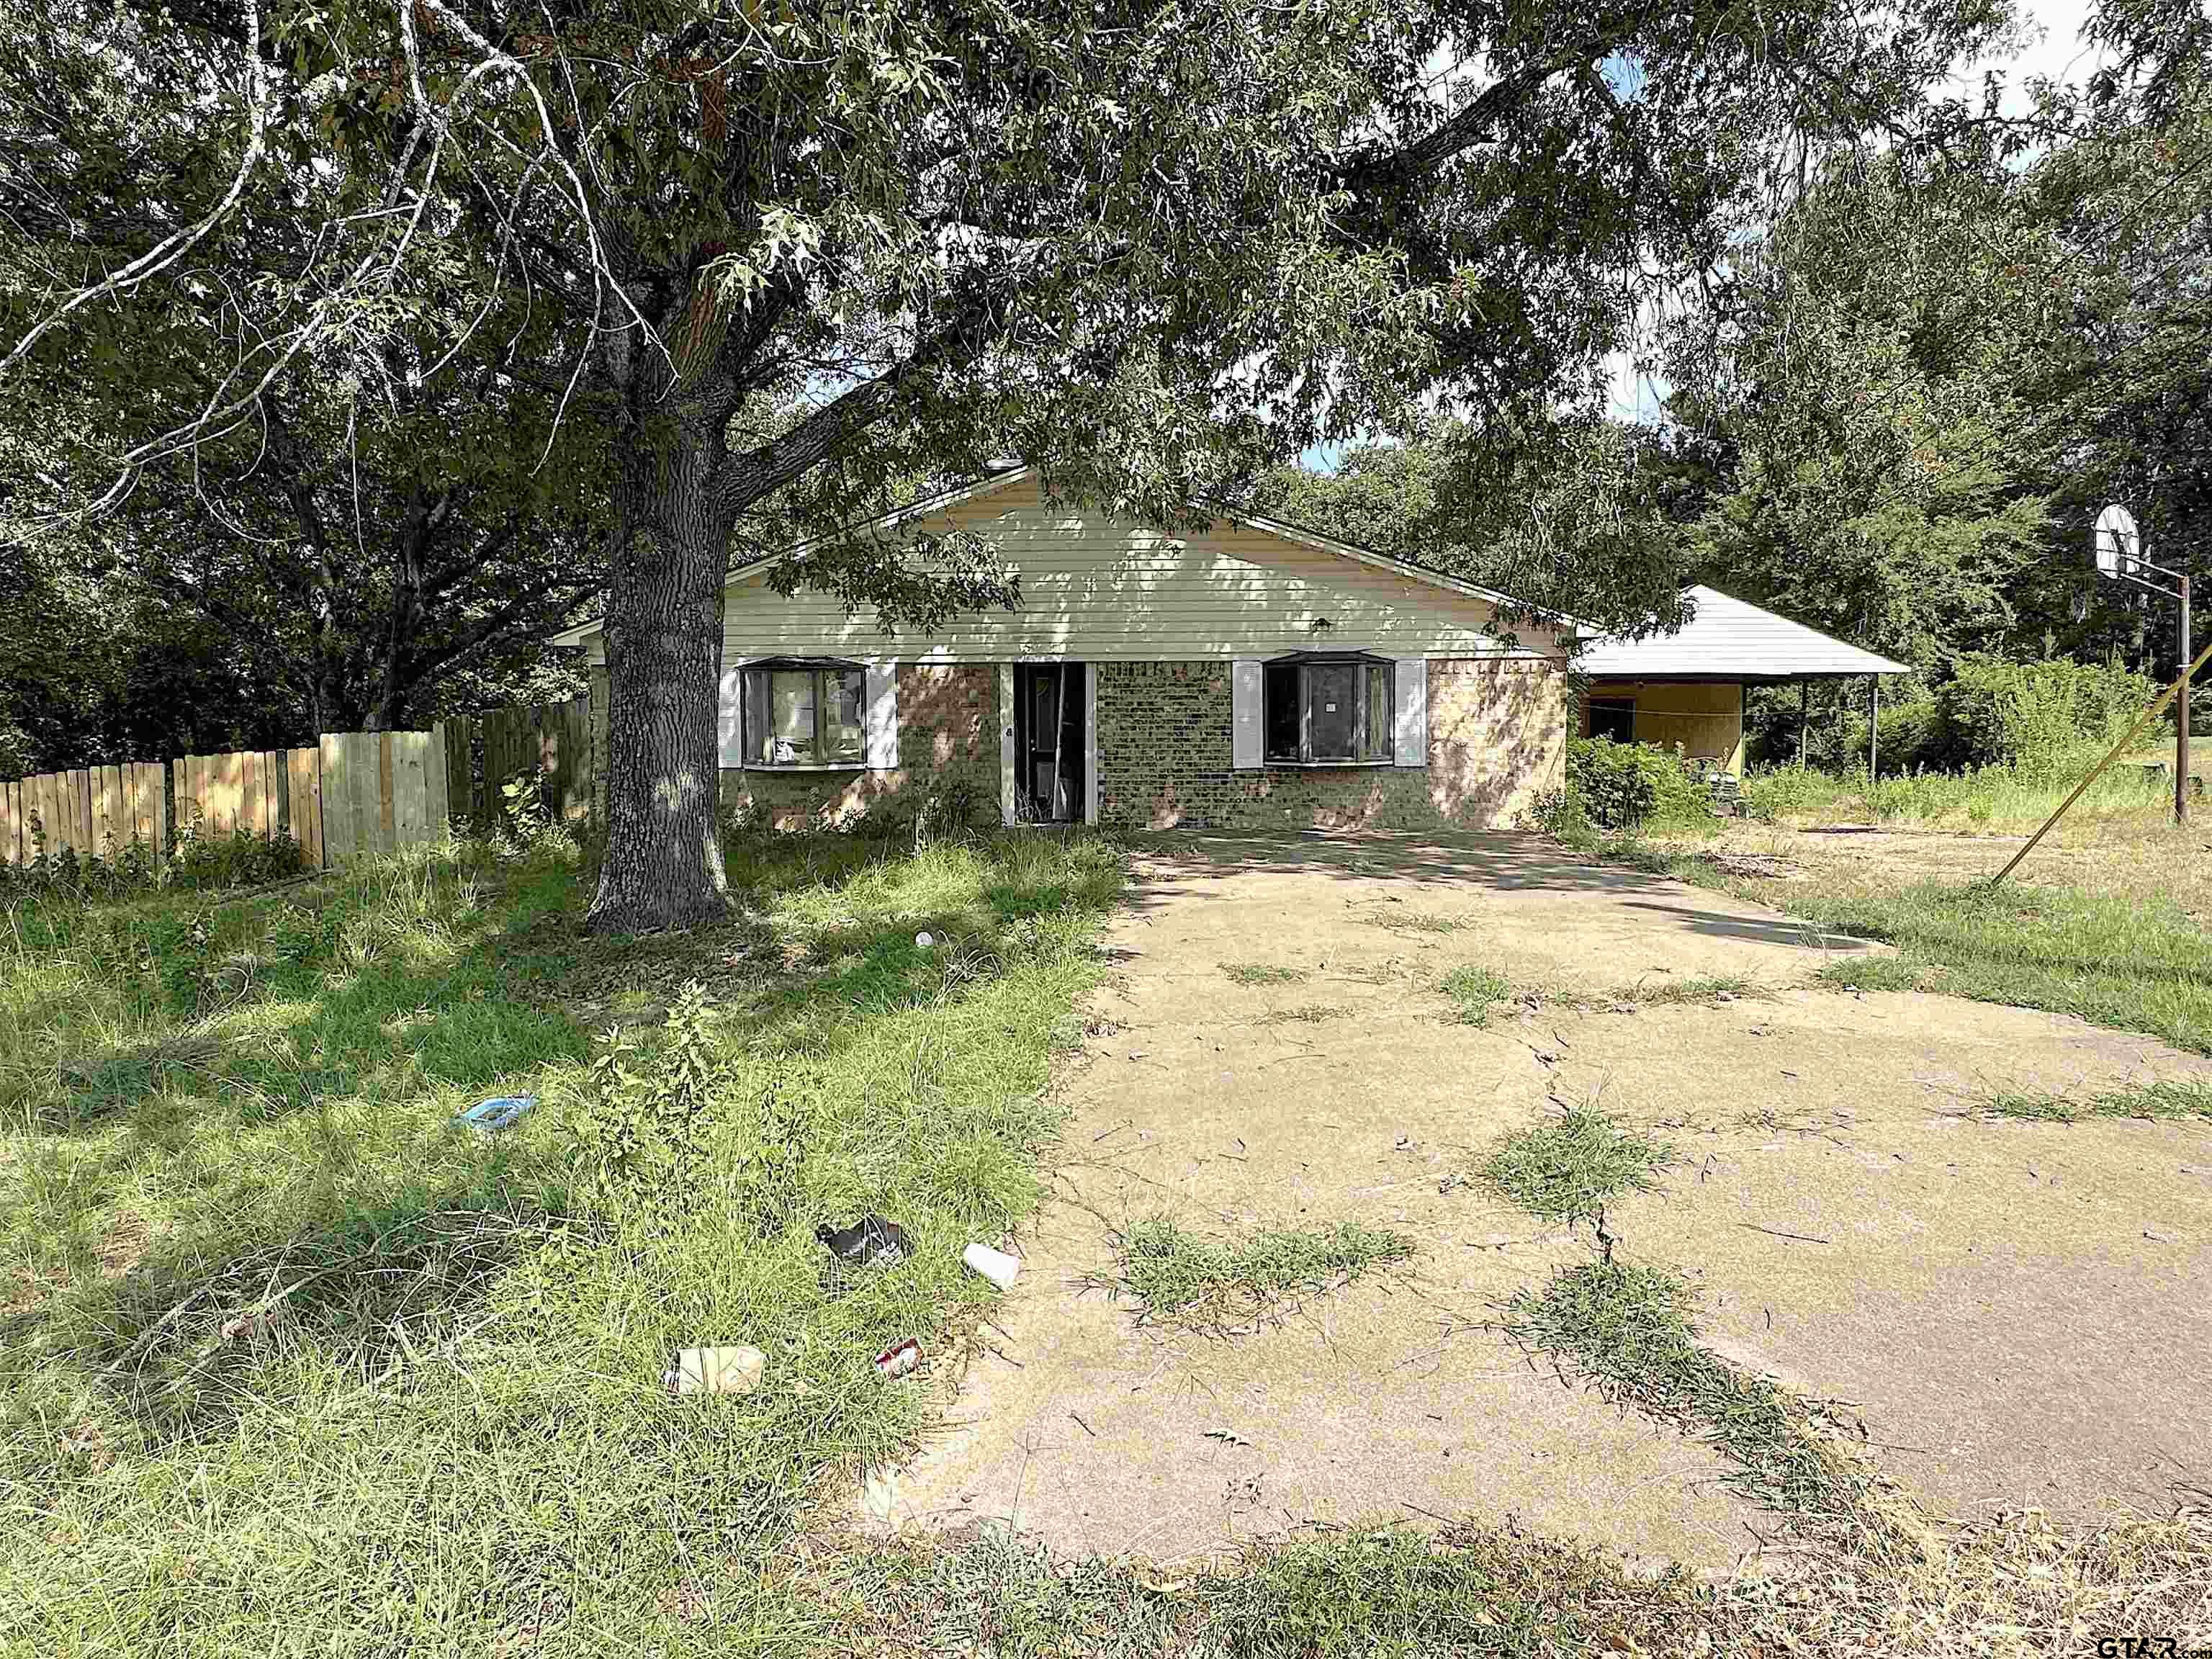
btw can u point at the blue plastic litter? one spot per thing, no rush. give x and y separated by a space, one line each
496 1113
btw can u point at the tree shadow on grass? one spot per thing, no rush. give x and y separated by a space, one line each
185 1341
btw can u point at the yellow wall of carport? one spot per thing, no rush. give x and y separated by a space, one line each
1704 716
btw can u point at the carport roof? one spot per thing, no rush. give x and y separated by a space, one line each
1726 639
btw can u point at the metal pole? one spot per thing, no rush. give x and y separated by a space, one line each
2135 731
1804 718
1873 729
1059 736
2181 781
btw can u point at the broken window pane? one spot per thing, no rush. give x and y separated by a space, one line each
845 729
1331 687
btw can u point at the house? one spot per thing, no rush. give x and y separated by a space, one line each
1243 674
1686 687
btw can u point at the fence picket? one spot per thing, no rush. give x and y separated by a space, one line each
253 810
439 783
410 787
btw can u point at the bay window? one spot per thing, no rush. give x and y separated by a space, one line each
1329 710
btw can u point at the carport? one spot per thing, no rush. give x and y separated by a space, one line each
1686 687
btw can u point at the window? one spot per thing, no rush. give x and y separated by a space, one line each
1329 711
801 712
1612 717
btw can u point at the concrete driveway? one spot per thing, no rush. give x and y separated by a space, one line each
2015 1310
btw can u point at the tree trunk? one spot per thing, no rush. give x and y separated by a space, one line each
664 641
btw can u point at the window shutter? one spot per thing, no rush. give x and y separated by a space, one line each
1412 742
1246 752
729 718
883 715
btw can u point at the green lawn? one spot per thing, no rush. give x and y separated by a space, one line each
294 1363
2122 956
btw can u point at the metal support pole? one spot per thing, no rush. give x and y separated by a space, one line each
2181 779
1873 728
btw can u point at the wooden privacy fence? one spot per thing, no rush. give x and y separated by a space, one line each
550 745
255 791
353 793
91 811
381 791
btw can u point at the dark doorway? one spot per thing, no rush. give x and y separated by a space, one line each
1612 717
1049 743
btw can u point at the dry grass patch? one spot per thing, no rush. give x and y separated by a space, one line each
2015 1588
2170 1099
1262 972
1308 1013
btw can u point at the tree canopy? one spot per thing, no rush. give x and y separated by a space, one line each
768 259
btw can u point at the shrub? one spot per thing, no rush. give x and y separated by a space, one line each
643 1118
1621 785
1609 784
2039 718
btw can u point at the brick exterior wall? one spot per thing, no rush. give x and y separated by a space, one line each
1498 737
948 719
1497 741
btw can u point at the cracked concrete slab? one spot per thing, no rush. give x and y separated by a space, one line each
1345 1092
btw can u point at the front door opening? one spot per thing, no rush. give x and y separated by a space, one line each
1049 743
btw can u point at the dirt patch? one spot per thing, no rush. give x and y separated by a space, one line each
2014 1309
124 1243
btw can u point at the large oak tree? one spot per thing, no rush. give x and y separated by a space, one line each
1151 246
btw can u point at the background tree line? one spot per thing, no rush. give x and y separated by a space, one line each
1893 413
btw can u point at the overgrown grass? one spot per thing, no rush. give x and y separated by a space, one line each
1627 1329
1176 1276
1566 1167
2169 1098
1262 972
2016 1587
1366 1590
2131 959
1992 799
1475 990
294 1362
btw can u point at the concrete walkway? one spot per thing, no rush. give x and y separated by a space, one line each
2003 1343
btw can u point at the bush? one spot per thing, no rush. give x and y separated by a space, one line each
2041 718
1608 784
1622 786
2038 717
